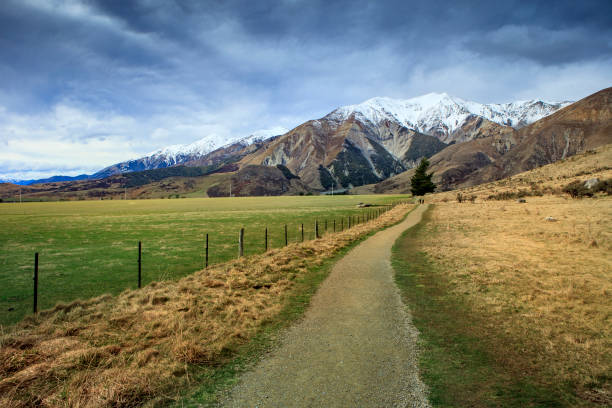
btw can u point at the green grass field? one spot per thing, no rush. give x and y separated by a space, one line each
90 247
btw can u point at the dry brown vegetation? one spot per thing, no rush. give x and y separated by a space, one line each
138 346
549 179
541 271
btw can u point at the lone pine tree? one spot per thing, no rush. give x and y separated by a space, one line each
421 183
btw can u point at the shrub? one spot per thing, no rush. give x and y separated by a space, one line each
604 186
286 172
511 195
460 198
577 189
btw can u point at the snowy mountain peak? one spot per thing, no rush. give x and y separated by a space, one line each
175 154
434 111
201 146
260 136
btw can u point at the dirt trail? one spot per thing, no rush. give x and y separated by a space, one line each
355 346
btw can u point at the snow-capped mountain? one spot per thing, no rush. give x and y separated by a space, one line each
441 115
371 141
382 123
174 154
178 154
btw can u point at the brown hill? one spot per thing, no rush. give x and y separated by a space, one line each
345 153
252 180
576 128
581 126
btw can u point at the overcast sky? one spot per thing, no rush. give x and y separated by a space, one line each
88 83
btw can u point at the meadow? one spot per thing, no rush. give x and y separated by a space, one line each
88 248
513 300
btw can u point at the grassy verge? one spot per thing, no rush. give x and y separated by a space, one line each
464 359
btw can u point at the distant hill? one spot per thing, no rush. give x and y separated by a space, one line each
47 180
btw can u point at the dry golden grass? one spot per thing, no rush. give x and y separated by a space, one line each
136 347
545 285
549 179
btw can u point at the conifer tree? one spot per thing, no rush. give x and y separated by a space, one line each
421 183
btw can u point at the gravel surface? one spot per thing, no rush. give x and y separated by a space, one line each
355 347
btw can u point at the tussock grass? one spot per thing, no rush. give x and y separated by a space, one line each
539 277
141 345
545 180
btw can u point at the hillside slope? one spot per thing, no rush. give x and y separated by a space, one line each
581 126
380 138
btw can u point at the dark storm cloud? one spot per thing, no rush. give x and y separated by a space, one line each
114 45
157 72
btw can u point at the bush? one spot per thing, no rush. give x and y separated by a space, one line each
604 186
511 195
460 198
577 189
286 172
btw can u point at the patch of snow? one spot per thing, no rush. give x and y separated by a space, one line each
176 153
260 136
440 111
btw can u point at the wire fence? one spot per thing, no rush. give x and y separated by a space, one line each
259 240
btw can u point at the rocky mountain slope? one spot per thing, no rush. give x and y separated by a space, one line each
583 125
447 117
366 143
382 137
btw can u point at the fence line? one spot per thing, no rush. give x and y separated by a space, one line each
353 220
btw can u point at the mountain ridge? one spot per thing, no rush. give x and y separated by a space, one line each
369 142
583 125
448 118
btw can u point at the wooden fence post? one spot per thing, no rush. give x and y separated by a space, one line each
206 262
139 264
341 224
316 229
302 232
325 230
286 235
266 239
241 243
36 283
334 225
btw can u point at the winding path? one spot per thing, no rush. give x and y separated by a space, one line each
355 347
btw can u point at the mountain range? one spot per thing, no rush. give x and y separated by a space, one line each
446 117
378 141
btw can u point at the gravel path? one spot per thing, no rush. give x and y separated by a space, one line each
355 346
